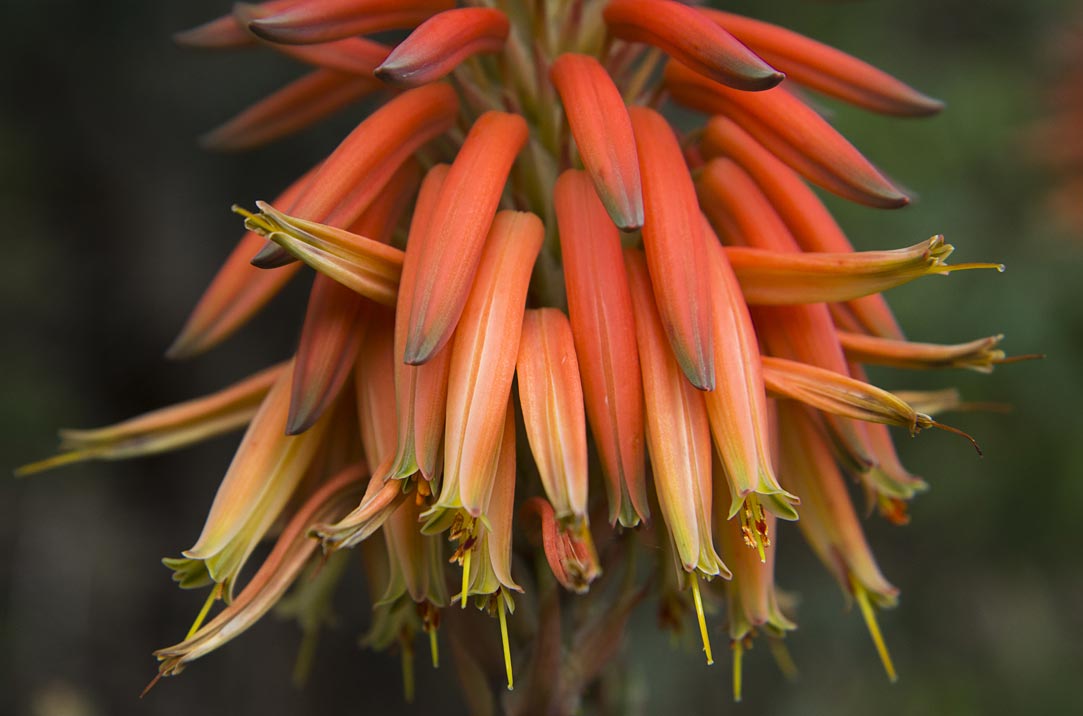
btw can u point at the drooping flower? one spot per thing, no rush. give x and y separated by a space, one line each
649 287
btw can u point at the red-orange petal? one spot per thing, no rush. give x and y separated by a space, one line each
296 106
677 433
603 135
794 132
551 397
420 391
603 326
825 69
374 382
675 246
236 292
692 39
460 222
441 43
809 221
483 360
307 22
222 33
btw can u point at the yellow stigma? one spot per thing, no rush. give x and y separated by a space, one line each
754 526
434 648
504 639
862 597
215 594
702 620
466 575
738 655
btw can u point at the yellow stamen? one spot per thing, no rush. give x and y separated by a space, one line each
434 648
65 458
862 596
702 619
504 640
783 659
738 654
211 599
466 575
407 650
754 526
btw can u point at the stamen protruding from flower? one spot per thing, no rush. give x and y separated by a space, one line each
754 527
697 599
738 647
434 647
215 595
467 553
406 650
861 595
504 640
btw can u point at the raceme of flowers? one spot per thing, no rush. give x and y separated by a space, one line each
554 344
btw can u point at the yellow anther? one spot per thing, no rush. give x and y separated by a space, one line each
504 640
862 597
754 526
466 575
702 619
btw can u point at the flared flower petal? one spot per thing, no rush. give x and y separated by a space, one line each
260 481
772 278
305 22
416 560
678 434
825 69
551 397
675 246
366 267
483 360
806 217
165 429
692 39
381 499
980 355
460 222
441 43
737 407
603 326
794 132
602 130
295 107
283 565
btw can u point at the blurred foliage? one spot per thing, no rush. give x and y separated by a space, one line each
114 221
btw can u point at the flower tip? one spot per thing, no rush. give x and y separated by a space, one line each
272 256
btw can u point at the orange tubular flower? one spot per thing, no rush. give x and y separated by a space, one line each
826 69
305 22
603 326
483 360
441 43
691 39
806 217
677 434
420 391
603 135
296 106
426 310
460 221
793 132
737 408
552 400
675 247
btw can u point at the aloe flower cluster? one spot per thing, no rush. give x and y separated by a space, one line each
560 356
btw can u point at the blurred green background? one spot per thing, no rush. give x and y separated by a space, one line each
113 221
